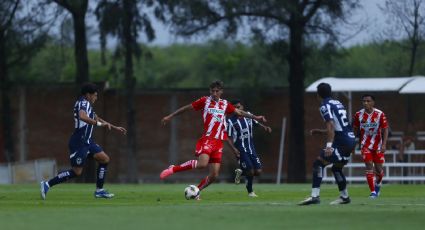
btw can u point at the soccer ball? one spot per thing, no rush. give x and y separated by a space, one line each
190 192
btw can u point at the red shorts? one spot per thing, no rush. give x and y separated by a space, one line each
373 155
210 146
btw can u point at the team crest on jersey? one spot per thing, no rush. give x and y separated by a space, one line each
79 160
323 109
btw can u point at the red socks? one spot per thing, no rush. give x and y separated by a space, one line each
188 165
369 177
204 183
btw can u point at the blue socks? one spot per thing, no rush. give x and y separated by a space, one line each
101 172
62 177
339 178
249 183
317 173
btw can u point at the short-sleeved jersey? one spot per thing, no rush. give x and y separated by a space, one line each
214 116
334 110
370 126
83 131
240 130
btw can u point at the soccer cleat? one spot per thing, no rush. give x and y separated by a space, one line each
310 200
378 189
238 174
103 194
166 172
44 188
373 195
341 200
252 194
198 197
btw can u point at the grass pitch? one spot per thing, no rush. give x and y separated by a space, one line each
223 206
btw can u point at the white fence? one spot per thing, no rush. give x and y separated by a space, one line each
27 172
411 171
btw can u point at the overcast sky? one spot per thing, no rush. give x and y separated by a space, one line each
370 13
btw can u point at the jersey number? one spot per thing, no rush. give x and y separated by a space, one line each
343 114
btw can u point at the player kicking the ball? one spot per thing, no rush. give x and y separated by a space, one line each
209 147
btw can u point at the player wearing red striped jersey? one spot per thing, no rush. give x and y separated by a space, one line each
209 147
371 125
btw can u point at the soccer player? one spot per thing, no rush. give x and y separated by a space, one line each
340 143
371 123
209 147
241 141
81 144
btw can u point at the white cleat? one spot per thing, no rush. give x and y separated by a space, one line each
252 194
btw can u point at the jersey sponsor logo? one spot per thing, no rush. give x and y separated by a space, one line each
215 111
369 125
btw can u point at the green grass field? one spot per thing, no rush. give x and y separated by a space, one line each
223 206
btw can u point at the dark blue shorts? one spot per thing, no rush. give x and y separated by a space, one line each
249 161
342 151
79 153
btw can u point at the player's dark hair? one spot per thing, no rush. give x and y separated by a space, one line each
324 90
89 88
368 95
217 84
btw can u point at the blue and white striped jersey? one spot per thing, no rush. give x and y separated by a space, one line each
83 131
334 110
239 129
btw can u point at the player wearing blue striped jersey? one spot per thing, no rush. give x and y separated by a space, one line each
240 132
340 143
81 144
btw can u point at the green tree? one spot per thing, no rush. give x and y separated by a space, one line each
22 34
78 11
406 20
129 19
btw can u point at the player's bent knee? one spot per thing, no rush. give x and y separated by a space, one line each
201 165
77 171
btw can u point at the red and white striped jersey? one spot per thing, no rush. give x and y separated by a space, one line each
214 115
370 126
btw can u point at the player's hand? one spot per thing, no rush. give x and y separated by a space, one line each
121 129
315 131
383 148
268 129
107 124
165 120
328 151
261 118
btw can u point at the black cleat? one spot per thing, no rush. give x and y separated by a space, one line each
310 200
341 200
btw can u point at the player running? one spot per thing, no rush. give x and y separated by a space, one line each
372 123
82 145
209 147
241 141
340 143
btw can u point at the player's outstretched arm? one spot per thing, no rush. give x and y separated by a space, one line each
102 122
183 109
318 131
242 113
